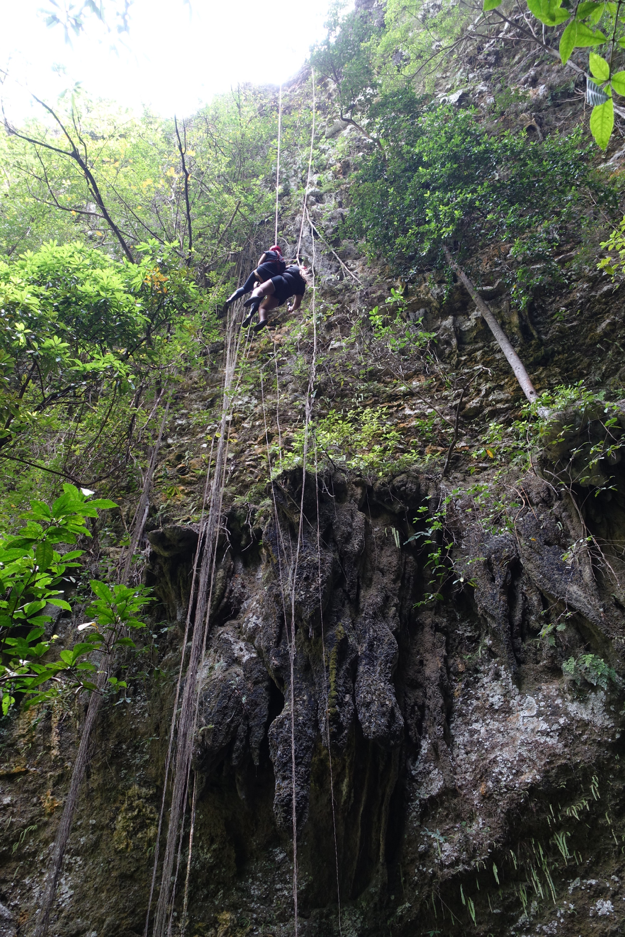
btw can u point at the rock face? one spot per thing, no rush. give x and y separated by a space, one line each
439 656
462 767
448 775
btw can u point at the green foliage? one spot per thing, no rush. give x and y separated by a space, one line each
435 540
74 322
581 438
589 24
31 571
590 669
393 330
345 59
614 263
442 177
358 439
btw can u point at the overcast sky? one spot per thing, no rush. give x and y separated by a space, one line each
175 56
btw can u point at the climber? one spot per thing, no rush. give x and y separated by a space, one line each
272 293
270 264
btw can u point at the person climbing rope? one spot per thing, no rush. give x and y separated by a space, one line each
272 293
270 265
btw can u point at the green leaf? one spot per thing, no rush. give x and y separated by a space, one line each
104 503
101 590
491 5
549 12
44 554
60 603
618 83
599 67
586 8
602 123
576 35
40 510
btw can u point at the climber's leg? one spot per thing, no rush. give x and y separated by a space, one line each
269 303
262 291
260 275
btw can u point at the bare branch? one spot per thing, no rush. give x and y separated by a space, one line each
183 150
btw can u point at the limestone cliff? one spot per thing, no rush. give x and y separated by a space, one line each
471 784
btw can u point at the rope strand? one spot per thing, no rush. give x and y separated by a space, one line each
278 162
310 156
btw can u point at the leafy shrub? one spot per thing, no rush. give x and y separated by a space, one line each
31 571
442 176
588 668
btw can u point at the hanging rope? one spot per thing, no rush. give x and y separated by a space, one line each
323 644
310 157
275 239
184 723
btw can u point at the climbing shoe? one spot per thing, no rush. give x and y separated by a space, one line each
260 325
248 319
236 295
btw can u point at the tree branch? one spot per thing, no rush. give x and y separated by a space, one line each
82 162
183 150
501 338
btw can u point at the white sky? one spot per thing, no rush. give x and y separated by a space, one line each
175 57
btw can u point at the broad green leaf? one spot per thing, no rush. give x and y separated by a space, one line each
60 603
602 123
549 12
491 5
35 633
44 554
556 13
103 503
101 590
588 7
599 67
40 510
67 657
618 83
83 647
576 35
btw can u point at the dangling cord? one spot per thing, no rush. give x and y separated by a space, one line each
278 163
185 905
310 156
323 643
172 734
309 404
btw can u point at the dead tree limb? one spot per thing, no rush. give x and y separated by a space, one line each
501 338
182 149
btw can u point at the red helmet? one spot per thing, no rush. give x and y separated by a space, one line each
276 247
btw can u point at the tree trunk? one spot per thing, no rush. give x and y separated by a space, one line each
513 359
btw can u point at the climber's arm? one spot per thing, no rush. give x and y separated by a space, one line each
294 306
